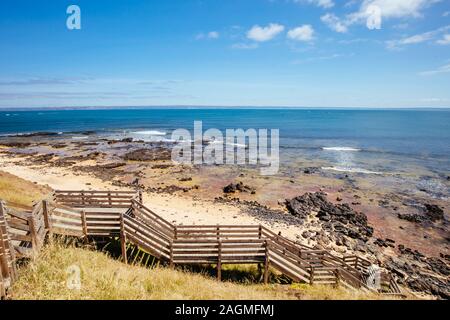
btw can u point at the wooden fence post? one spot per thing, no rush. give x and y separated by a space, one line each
33 234
140 196
4 267
109 199
219 261
171 264
338 277
84 224
47 219
2 285
311 275
259 232
266 263
9 254
123 239
45 212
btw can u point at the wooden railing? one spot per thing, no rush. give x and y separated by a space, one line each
8 272
97 199
121 214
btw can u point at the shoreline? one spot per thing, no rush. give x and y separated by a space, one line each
361 218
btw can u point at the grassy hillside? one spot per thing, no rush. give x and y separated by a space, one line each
18 192
105 278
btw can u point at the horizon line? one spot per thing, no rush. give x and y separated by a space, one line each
3 109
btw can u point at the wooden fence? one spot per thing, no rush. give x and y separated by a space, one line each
8 270
122 214
97 199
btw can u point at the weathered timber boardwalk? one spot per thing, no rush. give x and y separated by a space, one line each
122 214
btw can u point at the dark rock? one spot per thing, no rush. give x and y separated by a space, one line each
162 166
385 243
127 140
383 203
341 217
418 278
234 187
306 234
433 212
310 170
16 144
113 165
59 145
153 154
411 217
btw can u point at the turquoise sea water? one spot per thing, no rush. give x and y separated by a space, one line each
366 141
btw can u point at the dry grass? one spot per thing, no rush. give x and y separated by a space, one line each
18 192
103 278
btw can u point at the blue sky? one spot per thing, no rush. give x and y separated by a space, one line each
312 53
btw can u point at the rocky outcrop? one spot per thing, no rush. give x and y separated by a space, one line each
411 217
16 144
340 218
113 165
154 154
420 273
238 187
432 213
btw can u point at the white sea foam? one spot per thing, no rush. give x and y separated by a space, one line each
239 145
341 149
352 170
150 133
80 138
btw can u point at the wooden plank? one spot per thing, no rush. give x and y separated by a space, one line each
266 263
219 262
133 226
33 234
19 226
20 237
57 192
149 248
148 239
18 215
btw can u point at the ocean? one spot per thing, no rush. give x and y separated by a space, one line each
340 140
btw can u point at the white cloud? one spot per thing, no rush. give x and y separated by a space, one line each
326 4
388 9
445 40
334 23
262 34
303 33
446 14
418 38
321 58
213 35
245 46
440 70
398 8
209 35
